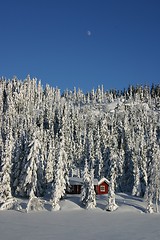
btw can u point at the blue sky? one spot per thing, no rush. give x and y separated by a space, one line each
48 39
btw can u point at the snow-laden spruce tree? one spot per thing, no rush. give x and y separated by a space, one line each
150 172
85 185
153 192
49 162
127 179
143 152
91 202
156 156
98 155
88 195
136 191
61 175
7 144
7 121
5 173
138 153
29 180
136 158
7 201
111 204
19 160
150 206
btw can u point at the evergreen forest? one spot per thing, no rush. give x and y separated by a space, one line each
47 136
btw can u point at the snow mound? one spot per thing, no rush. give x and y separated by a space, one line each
71 203
10 204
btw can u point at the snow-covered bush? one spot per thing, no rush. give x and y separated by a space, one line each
34 203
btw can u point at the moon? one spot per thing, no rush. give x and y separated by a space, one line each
89 33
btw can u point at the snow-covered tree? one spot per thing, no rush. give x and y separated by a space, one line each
111 204
85 186
29 181
5 173
153 192
61 175
88 195
91 202
98 155
6 155
50 161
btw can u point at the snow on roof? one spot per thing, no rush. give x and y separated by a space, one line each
75 181
79 181
103 180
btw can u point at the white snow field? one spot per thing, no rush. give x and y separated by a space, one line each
73 222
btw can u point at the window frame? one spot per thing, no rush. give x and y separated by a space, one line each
102 188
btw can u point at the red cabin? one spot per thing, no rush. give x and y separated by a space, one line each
103 186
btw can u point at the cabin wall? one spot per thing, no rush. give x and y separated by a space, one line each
103 188
74 189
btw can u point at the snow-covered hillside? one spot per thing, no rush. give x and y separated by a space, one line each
45 135
73 222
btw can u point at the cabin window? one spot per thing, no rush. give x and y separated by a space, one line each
102 188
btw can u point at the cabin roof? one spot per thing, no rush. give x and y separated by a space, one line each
103 180
79 181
